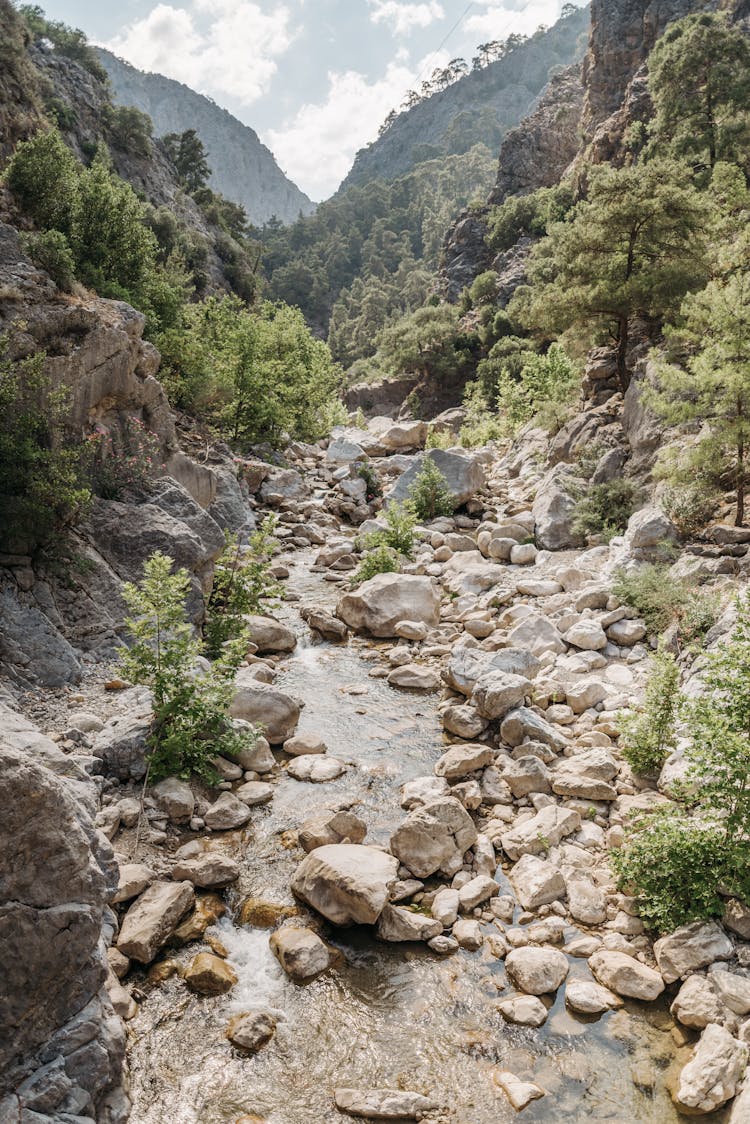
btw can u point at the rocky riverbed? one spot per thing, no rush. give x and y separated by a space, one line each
399 905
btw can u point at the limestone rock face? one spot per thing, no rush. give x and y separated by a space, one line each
346 882
379 604
434 837
56 876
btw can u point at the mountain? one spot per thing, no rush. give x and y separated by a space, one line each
243 169
478 108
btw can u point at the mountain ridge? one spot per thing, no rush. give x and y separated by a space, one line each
243 169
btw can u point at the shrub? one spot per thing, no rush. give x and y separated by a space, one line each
43 176
662 599
604 509
191 723
399 534
49 250
440 439
374 489
42 488
690 506
130 129
126 467
523 215
647 738
430 494
243 584
381 560
675 867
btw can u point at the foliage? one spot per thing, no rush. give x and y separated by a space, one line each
43 176
50 251
481 425
69 41
690 506
191 722
430 495
130 129
127 467
243 584
426 342
399 534
188 155
42 490
440 439
699 81
634 248
255 374
712 385
374 489
675 867
528 215
381 560
545 382
662 599
604 509
648 738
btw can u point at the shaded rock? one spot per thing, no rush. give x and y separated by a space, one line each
270 635
495 694
526 774
554 511
253 793
464 476
227 813
467 666
690 948
523 723
153 917
397 923
122 746
176 798
251 1030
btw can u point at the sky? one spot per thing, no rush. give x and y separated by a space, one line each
314 78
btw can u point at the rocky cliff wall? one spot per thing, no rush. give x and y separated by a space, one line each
62 1048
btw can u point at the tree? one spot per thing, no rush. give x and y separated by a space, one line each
712 386
423 342
699 80
43 176
430 495
634 248
189 157
648 738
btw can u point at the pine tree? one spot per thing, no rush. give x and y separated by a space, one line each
713 384
633 249
699 80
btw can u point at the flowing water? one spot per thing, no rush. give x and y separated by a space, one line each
387 1015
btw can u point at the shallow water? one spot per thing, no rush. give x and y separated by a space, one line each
389 1015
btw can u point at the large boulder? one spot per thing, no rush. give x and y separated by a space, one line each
276 712
469 666
554 510
690 948
153 917
270 635
57 874
464 476
625 975
346 882
122 745
434 837
404 436
301 952
713 1075
536 971
381 603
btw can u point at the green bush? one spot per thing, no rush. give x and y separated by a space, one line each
675 867
191 723
648 738
690 506
381 560
523 215
243 583
43 176
127 467
130 129
440 439
399 534
604 509
42 485
50 251
430 495
662 600
374 489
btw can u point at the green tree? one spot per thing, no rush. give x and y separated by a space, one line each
430 494
191 723
424 342
243 583
189 157
712 386
634 248
43 176
699 80
42 487
648 737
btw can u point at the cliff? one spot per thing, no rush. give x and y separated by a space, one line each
242 168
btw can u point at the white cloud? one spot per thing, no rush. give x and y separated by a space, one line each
401 17
216 46
317 146
507 17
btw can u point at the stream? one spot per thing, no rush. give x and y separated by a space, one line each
386 1014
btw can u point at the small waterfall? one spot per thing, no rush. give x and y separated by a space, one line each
261 980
